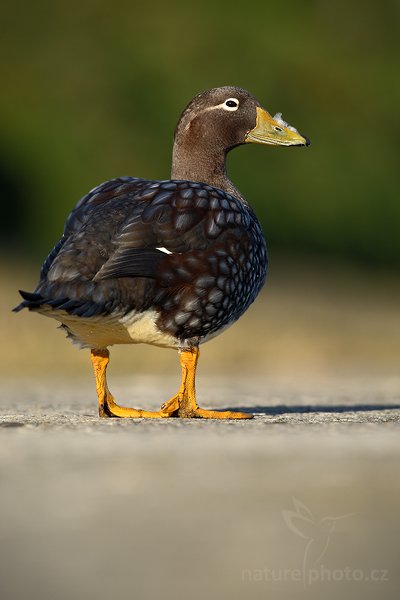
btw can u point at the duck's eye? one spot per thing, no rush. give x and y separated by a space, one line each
231 104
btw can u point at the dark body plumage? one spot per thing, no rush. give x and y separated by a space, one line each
108 261
169 263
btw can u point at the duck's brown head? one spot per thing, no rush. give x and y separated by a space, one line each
218 120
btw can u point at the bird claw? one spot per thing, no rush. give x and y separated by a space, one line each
170 407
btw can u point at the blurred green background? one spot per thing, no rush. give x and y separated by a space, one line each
92 90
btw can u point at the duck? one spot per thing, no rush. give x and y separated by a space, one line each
172 263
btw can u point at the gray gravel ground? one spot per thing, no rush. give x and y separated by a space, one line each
301 502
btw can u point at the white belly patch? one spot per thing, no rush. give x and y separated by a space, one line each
106 330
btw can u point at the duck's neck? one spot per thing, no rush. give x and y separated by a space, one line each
202 163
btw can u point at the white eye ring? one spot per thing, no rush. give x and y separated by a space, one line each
230 104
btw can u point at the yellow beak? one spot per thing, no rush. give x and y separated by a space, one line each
274 131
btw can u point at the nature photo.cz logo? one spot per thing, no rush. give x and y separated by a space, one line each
317 534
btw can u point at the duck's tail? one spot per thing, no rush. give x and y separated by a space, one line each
31 300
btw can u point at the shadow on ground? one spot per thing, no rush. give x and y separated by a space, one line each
316 408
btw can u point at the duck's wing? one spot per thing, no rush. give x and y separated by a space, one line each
100 196
170 221
123 228
66 274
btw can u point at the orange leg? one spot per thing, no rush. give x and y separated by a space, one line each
107 405
184 404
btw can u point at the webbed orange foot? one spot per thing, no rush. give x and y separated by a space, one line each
184 404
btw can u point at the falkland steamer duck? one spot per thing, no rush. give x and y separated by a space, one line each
170 263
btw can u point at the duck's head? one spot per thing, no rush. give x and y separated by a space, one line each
218 120
230 116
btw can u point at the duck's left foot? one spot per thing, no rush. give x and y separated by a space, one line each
184 404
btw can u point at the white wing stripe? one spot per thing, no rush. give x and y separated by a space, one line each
164 250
